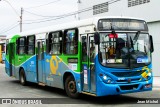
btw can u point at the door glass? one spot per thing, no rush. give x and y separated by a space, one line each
92 49
39 50
84 48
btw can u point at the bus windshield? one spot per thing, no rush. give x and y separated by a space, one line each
125 50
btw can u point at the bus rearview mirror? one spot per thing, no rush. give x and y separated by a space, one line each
151 44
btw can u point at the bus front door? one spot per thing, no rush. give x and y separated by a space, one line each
88 55
40 61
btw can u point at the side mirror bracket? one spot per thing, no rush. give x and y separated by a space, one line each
151 43
97 38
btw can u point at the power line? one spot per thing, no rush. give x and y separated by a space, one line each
4 28
37 14
110 2
43 4
12 7
20 16
69 14
60 17
10 28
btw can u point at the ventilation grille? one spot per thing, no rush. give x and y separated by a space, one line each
100 8
128 74
137 2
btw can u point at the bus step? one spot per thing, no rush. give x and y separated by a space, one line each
41 84
89 93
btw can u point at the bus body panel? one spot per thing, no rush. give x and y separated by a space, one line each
129 84
56 67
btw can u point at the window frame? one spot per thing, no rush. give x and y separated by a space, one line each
64 40
18 45
27 45
51 43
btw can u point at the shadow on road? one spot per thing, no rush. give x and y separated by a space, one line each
83 99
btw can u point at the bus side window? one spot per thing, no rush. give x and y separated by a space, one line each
21 45
55 42
71 41
31 45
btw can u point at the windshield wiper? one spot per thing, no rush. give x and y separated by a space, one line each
136 37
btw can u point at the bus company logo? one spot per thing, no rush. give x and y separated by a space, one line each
129 80
6 101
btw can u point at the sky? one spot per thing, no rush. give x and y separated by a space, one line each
36 14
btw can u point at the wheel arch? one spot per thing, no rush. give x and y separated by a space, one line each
65 75
20 71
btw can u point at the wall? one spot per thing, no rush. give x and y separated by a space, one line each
154 29
147 11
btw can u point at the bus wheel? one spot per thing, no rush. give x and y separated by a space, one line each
22 77
70 87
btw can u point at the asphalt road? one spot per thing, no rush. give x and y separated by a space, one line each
11 88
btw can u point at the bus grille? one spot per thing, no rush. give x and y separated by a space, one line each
127 74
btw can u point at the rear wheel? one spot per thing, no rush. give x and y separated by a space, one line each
22 77
70 87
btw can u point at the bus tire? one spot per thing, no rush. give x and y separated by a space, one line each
22 77
70 87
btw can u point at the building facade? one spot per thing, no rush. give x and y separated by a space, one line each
145 9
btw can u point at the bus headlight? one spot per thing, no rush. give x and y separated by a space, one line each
106 78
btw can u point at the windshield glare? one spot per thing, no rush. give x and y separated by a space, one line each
125 49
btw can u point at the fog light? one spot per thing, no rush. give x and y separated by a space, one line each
109 81
148 86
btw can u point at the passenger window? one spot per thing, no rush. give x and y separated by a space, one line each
55 43
21 46
71 41
31 45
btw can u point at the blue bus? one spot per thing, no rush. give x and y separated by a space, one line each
97 56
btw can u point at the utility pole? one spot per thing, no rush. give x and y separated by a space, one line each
21 19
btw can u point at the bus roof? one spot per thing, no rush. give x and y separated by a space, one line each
69 25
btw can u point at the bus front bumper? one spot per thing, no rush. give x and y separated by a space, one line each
104 89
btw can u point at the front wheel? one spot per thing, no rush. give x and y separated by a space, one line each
70 87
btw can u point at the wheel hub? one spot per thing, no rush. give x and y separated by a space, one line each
72 86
